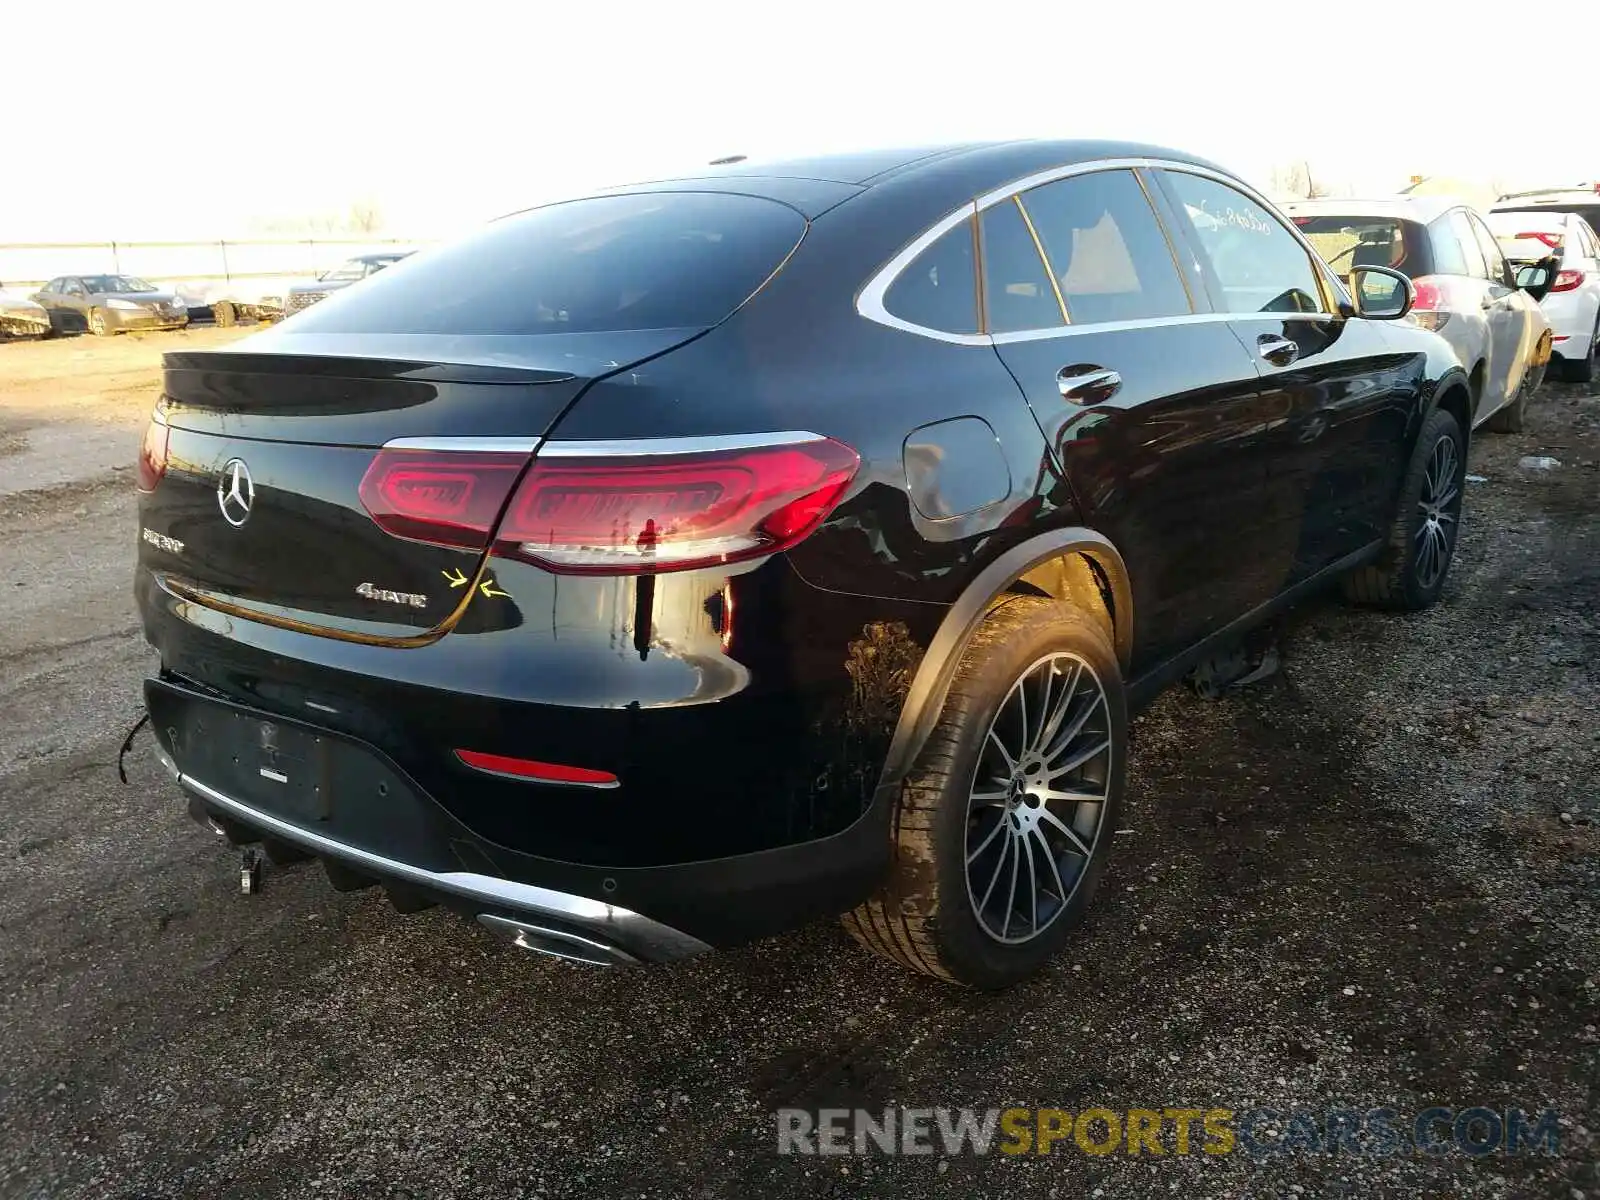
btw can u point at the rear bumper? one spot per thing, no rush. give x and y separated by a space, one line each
389 831
534 917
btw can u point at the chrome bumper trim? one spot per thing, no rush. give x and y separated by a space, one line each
632 932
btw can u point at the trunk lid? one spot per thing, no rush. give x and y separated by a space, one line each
260 512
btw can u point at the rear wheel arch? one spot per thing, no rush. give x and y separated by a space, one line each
1075 565
1458 395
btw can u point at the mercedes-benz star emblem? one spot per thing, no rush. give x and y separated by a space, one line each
236 492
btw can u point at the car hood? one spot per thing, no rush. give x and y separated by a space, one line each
317 285
17 302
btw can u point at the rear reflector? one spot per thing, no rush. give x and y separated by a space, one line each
153 453
539 772
1567 281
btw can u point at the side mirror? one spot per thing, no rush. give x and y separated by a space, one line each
1538 278
1381 294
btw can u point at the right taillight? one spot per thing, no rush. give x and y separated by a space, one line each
153 452
616 508
1433 303
1566 281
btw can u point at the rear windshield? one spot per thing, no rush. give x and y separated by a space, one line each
660 260
1528 237
1346 242
1589 212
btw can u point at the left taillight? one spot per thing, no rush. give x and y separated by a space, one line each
617 508
1567 281
153 452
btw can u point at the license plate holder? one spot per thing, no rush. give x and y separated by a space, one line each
279 766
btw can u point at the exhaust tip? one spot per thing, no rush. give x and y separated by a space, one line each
557 943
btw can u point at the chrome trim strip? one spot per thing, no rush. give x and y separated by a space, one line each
467 445
626 928
869 300
675 445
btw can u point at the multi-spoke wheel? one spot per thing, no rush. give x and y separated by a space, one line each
1006 817
1439 503
1038 798
1411 572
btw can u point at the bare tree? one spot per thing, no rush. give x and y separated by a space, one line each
1297 180
365 217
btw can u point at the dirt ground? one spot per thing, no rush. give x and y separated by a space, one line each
1372 880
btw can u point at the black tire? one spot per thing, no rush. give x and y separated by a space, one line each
1582 370
926 916
1403 578
224 315
97 323
1510 417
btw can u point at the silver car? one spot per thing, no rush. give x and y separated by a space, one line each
1466 289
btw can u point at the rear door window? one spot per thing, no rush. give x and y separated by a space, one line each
1254 261
659 260
1106 249
939 290
1016 288
1493 259
1448 257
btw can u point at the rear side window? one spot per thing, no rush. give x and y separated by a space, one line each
1256 263
939 290
653 261
1106 249
1016 290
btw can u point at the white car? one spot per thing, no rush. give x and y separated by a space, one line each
1572 305
1467 290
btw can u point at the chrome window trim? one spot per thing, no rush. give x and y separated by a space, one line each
869 300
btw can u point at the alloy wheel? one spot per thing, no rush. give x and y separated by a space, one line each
1440 503
1038 800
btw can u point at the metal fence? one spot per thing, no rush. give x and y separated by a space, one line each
29 264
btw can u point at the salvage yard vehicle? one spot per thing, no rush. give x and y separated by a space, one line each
1466 289
1572 305
110 304
669 567
302 295
20 316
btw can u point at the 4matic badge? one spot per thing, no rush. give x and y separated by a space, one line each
414 599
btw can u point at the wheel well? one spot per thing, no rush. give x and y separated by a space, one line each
1476 382
1079 580
1456 401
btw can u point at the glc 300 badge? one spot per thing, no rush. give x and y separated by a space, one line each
376 593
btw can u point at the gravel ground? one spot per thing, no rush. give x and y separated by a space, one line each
1349 886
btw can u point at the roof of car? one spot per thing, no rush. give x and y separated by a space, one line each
868 167
1400 208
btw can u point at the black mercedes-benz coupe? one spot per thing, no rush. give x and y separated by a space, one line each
669 567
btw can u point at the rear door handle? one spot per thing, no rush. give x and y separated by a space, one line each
1083 384
1279 351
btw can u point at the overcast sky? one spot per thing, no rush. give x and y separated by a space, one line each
208 117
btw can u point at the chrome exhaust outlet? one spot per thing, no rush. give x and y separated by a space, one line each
558 943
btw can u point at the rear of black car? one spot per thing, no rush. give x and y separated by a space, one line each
406 628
